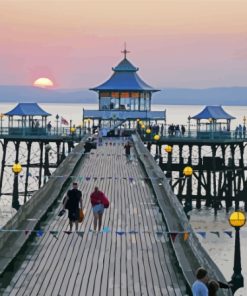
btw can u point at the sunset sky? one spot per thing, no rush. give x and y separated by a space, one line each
175 43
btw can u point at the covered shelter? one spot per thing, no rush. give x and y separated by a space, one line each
124 97
213 119
27 119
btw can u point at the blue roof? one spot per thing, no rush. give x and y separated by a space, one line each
27 109
124 78
214 112
125 65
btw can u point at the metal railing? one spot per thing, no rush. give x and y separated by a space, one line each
42 132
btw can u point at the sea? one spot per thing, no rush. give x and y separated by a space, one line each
216 241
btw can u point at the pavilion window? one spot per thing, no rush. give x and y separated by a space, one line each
124 101
104 100
134 100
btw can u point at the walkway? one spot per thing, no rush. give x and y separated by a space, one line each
127 258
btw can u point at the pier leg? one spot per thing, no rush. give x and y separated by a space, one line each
15 198
29 144
63 152
58 152
5 143
41 144
199 191
46 165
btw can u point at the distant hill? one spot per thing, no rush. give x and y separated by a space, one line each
167 96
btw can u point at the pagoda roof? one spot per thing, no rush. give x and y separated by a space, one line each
27 109
214 112
125 65
124 78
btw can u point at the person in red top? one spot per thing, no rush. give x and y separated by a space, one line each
97 201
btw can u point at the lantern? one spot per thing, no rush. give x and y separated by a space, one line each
168 149
188 171
16 168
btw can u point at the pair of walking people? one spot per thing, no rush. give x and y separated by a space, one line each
203 286
73 202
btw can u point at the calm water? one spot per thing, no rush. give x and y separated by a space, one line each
175 113
221 249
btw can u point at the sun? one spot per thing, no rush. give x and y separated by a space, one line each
43 82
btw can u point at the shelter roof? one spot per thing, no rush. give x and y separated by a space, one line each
27 109
125 65
214 112
124 78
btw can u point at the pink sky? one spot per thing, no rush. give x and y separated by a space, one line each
185 43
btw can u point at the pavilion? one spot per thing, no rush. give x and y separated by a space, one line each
123 98
27 119
213 119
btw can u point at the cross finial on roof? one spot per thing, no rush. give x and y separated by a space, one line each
125 51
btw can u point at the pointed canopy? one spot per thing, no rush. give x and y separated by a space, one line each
27 109
214 112
124 78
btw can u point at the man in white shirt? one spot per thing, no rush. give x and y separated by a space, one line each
199 288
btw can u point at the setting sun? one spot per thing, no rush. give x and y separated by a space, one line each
43 82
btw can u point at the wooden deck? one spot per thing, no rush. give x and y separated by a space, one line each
106 263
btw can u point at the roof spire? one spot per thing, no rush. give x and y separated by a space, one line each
125 51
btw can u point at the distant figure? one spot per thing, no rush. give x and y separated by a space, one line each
177 130
213 287
73 202
199 288
36 123
97 201
183 130
127 147
244 131
240 131
236 132
49 126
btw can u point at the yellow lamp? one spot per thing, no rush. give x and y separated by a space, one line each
237 219
16 168
156 137
148 131
188 171
137 120
72 129
143 126
168 148
140 122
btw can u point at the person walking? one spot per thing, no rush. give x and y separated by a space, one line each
199 288
73 202
127 147
213 287
98 199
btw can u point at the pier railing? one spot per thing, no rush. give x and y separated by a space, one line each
64 132
190 253
198 135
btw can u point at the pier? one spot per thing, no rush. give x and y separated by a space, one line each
133 255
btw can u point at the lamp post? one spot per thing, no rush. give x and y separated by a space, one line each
1 120
188 171
46 164
244 127
189 118
57 117
237 220
168 149
16 168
